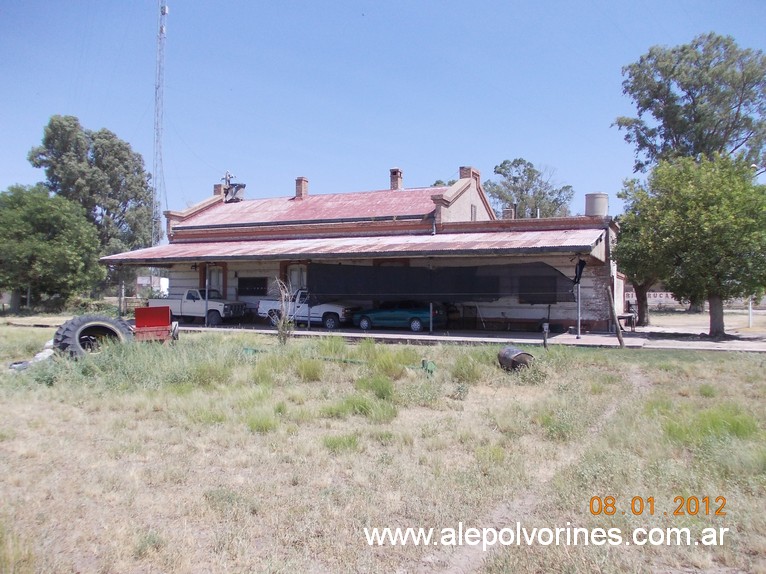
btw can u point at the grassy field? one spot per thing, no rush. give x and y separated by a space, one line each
233 454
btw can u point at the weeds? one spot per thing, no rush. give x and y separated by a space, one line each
148 542
341 443
380 386
262 422
16 556
254 459
719 422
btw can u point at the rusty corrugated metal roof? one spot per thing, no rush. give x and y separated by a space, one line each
452 244
405 203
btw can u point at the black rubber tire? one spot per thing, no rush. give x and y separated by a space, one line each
331 321
416 325
365 324
213 318
274 317
85 334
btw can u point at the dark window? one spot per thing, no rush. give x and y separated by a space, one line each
253 286
537 290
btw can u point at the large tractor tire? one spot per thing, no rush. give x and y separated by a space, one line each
87 334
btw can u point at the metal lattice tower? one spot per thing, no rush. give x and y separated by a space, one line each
158 177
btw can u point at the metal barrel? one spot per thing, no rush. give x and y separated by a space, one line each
511 358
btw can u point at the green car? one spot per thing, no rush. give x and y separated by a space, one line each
411 315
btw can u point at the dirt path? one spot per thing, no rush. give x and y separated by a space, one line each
466 559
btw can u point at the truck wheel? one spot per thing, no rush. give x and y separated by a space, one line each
87 334
365 323
274 317
213 318
331 321
416 325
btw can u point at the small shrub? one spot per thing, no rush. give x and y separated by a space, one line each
388 364
423 393
340 443
280 409
382 412
534 374
148 542
489 457
460 393
707 390
229 503
263 373
721 421
381 386
333 346
385 438
559 423
465 370
262 422
358 405
210 415
16 557
513 421
309 370
209 373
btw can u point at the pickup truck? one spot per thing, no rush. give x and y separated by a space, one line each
192 304
329 315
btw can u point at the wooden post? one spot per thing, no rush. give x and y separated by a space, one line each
613 315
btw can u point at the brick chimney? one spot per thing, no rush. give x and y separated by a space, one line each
301 187
218 189
509 212
396 178
467 172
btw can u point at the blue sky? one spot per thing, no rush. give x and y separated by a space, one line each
341 91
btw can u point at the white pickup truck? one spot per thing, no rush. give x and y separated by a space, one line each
329 315
192 304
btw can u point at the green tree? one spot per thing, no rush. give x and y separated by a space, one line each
47 245
638 247
103 174
527 189
708 218
698 99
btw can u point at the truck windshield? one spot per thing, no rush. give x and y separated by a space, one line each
214 294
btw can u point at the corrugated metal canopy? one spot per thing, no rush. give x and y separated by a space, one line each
452 244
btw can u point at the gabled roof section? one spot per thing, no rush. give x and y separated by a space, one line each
414 203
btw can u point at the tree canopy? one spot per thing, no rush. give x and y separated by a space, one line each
703 224
46 244
105 176
638 248
698 99
528 190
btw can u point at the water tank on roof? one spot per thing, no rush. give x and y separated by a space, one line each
596 204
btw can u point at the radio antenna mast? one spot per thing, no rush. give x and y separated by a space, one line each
159 197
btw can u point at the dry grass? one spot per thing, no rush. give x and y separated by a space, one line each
234 454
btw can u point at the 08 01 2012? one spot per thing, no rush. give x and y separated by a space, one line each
638 505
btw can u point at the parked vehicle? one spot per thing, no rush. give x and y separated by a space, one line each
412 315
299 309
193 304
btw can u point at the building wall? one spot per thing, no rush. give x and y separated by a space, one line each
466 207
505 313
